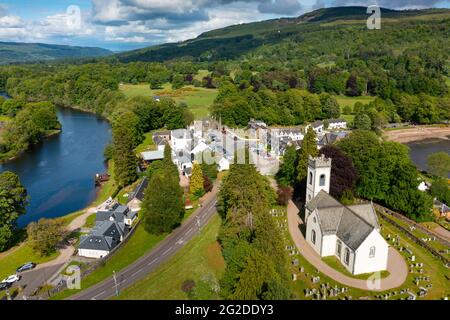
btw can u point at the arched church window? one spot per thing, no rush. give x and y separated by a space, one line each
372 252
322 180
310 178
313 236
347 256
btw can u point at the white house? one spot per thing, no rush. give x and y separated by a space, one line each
350 233
335 124
317 126
180 139
105 236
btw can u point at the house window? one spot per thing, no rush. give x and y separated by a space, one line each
347 256
310 178
314 219
313 237
338 248
322 180
372 252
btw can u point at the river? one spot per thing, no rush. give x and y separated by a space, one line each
420 150
59 172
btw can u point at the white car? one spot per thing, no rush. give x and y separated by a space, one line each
11 279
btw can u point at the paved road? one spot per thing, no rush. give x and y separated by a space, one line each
160 254
398 270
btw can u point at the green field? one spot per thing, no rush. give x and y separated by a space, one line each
15 257
198 99
199 260
351 101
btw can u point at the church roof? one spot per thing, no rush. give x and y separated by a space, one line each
351 224
353 230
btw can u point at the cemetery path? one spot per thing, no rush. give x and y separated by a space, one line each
398 270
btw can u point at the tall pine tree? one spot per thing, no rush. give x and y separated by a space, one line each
196 183
125 160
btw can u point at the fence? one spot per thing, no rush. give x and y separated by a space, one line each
385 213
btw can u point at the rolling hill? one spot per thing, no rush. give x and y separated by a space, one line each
15 52
233 41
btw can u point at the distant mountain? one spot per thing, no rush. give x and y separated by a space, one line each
232 41
15 52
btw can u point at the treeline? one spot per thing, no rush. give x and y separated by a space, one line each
29 124
131 119
13 201
252 245
236 106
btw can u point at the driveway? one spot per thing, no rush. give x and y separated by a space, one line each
396 264
33 279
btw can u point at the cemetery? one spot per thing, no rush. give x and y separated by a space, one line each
428 277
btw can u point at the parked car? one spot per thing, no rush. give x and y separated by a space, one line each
5 285
27 266
11 279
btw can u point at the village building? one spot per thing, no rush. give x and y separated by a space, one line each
137 196
336 124
161 137
150 156
112 223
317 126
105 236
350 233
331 138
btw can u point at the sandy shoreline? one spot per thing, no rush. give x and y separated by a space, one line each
417 134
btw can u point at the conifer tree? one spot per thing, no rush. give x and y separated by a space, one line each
196 184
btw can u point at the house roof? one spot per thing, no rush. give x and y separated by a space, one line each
351 224
317 124
336 120
152 155
138 193
104 236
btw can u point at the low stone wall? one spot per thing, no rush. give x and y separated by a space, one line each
410 235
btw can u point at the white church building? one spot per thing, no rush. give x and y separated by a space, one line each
350 233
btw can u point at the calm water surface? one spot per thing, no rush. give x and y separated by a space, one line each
59 172
420 150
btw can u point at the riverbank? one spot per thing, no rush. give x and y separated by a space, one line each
417 133
15 154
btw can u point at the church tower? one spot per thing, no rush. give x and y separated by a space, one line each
318 178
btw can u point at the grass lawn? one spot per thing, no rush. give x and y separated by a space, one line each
198 99
199 258
4 118
201 74
351 101
17 256
147 144
139 243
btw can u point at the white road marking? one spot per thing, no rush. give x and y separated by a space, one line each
93 298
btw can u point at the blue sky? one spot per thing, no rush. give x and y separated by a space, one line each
128 24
